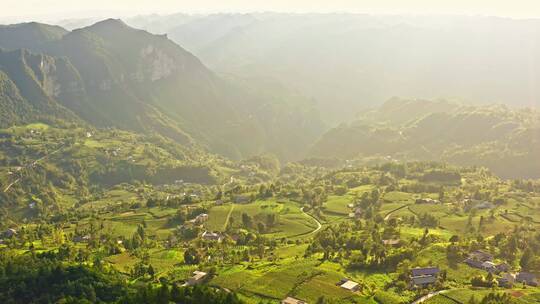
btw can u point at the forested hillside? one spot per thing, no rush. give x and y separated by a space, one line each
146 83
58 167
502 139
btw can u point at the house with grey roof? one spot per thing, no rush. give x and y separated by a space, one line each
507 280
527 278
423 277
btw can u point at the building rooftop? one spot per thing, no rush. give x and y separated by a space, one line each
350 285
391 242
427 271
424 280
197 275
290 300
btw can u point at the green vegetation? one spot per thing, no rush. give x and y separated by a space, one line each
497 137
110 191
270 245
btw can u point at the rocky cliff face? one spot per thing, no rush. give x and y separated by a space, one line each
112 75
155 64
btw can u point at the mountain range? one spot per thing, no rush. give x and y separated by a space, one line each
349 62
112 75
503 139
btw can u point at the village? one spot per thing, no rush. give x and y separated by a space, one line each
353 235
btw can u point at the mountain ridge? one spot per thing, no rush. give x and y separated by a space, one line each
147 83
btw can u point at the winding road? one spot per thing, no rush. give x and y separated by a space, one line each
319 225
387 217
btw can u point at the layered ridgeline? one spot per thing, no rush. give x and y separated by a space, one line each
112 75
505 140
348 62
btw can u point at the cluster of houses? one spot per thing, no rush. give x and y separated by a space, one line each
200 219
483 260
81 238
356 212
427 201
212 236
206 235
477 204
420 278
509 279
423 277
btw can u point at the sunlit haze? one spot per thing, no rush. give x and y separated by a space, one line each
270 151
46 9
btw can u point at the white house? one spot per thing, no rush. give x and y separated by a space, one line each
350 286
197 278
290 300
212 236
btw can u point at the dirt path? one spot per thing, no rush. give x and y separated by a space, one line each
392 211
428 296
13 183
228 217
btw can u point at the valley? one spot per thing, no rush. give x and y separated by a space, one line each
296 233
131 172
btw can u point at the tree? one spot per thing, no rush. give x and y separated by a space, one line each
321 300
163 294
271 219
191 256
472 300
247 221
441 194
526 259
261 227
151 271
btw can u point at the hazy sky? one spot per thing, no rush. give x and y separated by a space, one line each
51 9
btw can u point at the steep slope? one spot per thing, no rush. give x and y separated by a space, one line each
14 109
35 80
113 75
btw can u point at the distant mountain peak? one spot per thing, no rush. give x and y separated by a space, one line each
29 35
110 23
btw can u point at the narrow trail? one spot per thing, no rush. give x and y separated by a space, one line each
228 217
31 165
392 211
428 296
319 225
13 183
